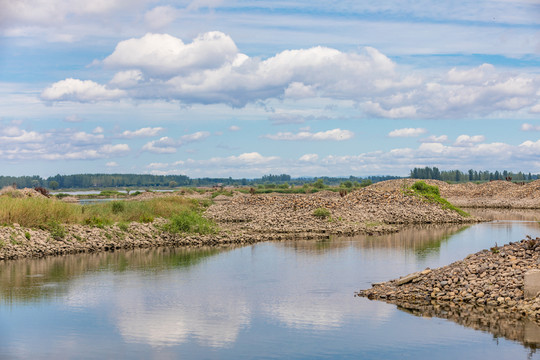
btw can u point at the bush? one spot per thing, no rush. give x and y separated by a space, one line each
321 213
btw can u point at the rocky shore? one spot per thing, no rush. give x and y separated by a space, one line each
244 219
491 278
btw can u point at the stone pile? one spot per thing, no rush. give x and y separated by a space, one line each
492 277
365 211
493 194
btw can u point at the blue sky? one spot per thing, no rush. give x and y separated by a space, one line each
245 88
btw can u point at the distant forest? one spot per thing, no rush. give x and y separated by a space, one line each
471 175
86 181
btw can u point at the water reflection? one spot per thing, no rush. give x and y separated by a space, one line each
506 214
28 280
421 239
509 325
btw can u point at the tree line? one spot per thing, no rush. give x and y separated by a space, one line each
471 175
86 181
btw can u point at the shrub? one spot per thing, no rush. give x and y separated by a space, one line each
321 213
27 235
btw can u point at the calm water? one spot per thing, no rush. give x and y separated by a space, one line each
292 300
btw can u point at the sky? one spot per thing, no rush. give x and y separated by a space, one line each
244 88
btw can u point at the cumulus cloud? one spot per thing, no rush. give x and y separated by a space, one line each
163 55
407 132
112 164
143 132
80 90
466 140
234 128
211 70
335 135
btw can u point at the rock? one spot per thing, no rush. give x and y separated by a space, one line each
407 279
532 283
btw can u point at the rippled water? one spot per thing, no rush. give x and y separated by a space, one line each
290 299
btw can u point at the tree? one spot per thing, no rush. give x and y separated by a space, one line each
53 185
319 184
173 184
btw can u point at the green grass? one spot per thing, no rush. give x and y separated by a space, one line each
321 213
52 215
431 193
190 221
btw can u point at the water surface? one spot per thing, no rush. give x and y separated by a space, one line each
291 299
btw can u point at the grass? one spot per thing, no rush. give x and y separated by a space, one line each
321 213
431 193
188 221
52 215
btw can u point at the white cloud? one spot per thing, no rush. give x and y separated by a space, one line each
112 164
335 135
127 79
234 128
466 140
197 136
79 90
161 16
211 70
163 55
13 134
407 132
165 145
309 157
98 130
143 132
84 138
435 139
529 127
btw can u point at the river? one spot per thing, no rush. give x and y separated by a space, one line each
289 300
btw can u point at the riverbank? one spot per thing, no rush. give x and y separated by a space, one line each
243 219
491 278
